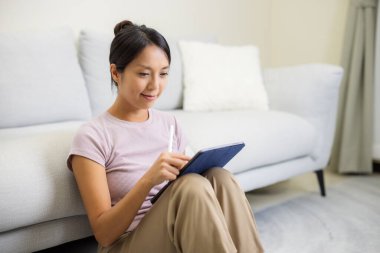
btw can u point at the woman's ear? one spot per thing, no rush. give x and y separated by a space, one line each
114 73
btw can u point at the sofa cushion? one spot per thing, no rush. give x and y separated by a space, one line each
94 49
40 79
270 136
218 77
35 185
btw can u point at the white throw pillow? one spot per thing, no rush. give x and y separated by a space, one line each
220 77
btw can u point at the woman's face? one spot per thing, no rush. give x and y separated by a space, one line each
144 78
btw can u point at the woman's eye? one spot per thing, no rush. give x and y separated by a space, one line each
143 74
164 74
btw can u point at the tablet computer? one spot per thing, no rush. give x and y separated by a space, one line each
206 159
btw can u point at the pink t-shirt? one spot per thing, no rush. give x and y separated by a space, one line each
127 150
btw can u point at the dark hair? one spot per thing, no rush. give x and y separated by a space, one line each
130 40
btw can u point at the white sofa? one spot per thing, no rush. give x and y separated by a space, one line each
48 88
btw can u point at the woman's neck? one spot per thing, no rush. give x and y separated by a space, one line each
128 114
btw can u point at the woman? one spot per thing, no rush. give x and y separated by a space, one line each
119 162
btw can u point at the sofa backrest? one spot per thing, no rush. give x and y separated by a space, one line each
44 78
40 79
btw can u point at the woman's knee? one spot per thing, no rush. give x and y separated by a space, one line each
218 172
192 185
219 177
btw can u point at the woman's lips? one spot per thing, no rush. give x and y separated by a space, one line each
149 97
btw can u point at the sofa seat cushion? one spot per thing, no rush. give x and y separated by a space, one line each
35 184
270 136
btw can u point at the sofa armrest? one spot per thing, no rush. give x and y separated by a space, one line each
310 91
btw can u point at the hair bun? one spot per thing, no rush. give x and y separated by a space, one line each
121 25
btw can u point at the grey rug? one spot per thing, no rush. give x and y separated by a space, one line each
346 221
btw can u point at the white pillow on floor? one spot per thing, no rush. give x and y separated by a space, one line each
220 77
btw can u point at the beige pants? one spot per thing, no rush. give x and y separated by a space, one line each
195 214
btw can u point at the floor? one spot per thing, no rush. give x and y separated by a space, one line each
293 217
290 189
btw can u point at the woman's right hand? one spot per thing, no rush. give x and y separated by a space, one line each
166 167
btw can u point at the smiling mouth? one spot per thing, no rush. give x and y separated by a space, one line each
149 97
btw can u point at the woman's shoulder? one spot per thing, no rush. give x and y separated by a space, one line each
94 126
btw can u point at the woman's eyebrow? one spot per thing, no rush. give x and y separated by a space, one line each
147 67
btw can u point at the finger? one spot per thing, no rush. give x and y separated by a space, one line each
180 156
175 162
183 165
171 169
169 176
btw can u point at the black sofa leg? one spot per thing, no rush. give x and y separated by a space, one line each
321 182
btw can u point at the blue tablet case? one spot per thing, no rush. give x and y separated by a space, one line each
206 159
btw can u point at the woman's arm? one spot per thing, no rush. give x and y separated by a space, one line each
107 222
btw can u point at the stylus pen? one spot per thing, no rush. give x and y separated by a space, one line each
170 149
171 136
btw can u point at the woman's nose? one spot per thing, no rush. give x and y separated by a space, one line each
154 83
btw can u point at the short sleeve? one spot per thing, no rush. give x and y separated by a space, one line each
89 142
